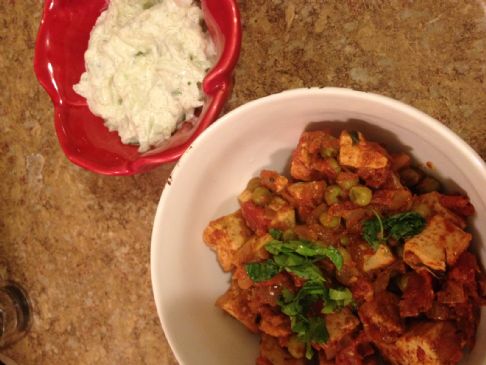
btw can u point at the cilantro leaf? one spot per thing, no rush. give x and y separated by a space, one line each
289 259
404 225
398 226
287 295
298 325
334 255
317 330
329 307
262 271
306 271
336 298
312 288
373 231
305 249
308 328
294 256
340 294
292 309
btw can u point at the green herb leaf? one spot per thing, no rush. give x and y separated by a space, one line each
298 325
399 226
329 307
307 271
404 225
309 351
313 289
287 295
306 249
340 294
276 234
289 260
317 330
308 327
334 255
373 231
262 271
291 309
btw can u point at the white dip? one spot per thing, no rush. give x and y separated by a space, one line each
144 65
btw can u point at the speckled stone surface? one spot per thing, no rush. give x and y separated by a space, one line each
80 242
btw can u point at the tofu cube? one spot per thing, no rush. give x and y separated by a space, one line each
438 245
225 236
425 343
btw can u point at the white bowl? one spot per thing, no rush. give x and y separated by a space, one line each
204 185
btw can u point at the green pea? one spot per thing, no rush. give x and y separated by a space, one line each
332 193
329 221
360 195
334 165
261 195
349 183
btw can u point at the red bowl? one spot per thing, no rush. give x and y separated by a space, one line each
59 62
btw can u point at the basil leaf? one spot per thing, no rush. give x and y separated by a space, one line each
309 351
398 226
334 255
287 295
298 325
275 247
291 309
299 307
262 271
373 231
329 307
404 225
289 259
317 330
307 271
312 288
306 249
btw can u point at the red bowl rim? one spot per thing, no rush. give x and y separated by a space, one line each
216 85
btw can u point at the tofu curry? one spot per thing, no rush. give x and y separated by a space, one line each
355 258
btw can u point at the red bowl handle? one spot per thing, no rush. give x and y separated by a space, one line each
225 15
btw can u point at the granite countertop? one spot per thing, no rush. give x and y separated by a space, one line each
80 242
